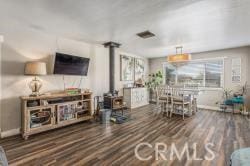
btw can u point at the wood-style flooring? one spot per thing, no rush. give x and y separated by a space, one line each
91 143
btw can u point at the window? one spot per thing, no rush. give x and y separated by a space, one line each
190 73
204 73
213 74
236 70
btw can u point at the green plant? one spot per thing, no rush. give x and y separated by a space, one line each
227 93
154 81
241 108
244 89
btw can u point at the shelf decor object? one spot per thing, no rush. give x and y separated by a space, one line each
35 69
60 110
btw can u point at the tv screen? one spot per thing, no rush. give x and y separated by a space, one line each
71 65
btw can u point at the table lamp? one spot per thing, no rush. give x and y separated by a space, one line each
35 69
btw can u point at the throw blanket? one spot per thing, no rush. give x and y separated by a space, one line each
3 159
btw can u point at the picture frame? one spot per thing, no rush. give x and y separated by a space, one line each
126 68
139 69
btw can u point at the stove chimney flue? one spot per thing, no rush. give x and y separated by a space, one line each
112 46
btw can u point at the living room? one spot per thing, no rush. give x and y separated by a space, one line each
178 71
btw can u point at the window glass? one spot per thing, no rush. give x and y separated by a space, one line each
170 73
191 73
202 73
213 74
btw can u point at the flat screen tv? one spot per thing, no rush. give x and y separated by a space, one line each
71 65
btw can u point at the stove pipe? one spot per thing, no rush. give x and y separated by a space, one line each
112 46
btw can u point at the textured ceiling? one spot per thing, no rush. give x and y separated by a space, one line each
197 25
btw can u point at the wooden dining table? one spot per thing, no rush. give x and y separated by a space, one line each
188 92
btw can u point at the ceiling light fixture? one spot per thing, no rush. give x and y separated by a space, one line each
178 57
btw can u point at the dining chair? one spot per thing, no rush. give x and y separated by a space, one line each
167 98
181 103
161 99
194 94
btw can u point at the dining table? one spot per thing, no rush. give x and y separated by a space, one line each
189 94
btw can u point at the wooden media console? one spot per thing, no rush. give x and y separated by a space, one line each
46 112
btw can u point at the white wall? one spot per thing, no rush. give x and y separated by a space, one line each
210 97
248 81
1 40
248 69
15 84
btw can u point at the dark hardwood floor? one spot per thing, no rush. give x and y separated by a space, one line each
91 143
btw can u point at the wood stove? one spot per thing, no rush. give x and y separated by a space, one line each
113 102
111 99
112 46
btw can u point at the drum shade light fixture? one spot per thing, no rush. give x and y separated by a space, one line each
178 57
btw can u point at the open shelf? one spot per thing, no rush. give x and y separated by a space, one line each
40 117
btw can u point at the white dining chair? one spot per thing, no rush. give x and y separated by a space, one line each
193 87
159 103
181 104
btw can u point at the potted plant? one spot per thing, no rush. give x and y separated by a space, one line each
154 81
244 110
226 95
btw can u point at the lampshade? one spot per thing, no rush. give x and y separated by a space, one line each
178 58
35 68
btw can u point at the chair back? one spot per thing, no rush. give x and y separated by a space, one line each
176 93
191 85
194 87
160 90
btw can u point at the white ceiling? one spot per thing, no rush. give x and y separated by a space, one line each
197 25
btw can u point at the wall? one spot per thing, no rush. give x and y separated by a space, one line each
248 64
1 40
248 81
210 97
15 84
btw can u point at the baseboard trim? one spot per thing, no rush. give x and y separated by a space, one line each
209 107
9 133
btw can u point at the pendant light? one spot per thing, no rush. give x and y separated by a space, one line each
179 57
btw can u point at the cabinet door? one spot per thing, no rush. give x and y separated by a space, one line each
66 112
145 95
41 117
142 96
134 96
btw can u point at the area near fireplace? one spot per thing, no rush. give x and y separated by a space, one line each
111 99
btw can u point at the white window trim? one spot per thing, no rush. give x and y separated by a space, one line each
202 60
